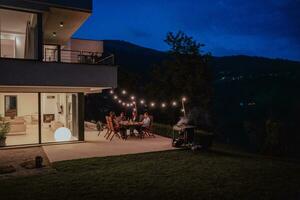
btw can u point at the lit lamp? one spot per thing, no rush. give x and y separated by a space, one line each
174 103
163 105
142 102
115 97
132 97
183 106
111 92
62 134
124 92
152 104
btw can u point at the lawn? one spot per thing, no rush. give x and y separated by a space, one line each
164 175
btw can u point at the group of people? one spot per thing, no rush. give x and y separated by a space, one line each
141 123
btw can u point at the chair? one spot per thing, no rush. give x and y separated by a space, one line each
100 127
108 132
114 131
149 130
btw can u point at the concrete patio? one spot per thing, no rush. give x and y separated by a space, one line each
98 146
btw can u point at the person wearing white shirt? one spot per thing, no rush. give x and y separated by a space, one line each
144 124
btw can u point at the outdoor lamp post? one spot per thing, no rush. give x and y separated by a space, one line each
183 100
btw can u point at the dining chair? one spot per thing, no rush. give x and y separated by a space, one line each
114 131
109 131
149 130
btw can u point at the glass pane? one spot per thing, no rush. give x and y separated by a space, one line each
20 112
18 34
59 117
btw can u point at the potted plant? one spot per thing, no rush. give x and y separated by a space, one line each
4 129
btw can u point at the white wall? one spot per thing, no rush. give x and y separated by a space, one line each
27 103
49 105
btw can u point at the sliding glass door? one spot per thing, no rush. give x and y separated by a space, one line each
20 112
59 117
55 121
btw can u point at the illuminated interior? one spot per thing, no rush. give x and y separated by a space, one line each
59 121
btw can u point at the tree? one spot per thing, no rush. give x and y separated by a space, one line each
186 72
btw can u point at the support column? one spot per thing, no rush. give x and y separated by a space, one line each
40 118
81 116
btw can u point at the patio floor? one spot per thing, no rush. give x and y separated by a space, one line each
98 146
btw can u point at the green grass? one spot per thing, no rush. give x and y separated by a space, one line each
164 175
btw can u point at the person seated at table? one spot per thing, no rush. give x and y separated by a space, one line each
117 125
134 116
121 117
145 124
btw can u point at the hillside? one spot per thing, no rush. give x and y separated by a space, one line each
134 58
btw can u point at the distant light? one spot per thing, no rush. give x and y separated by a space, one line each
132 97
120 101
163 105
124 104
182 110
54 34
152 104
134 109
183 99
174 103
62 134
142 101
115 97
61 24
124 92
111 92
127 105
133 102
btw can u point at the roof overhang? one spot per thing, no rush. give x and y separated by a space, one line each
51 89
71 20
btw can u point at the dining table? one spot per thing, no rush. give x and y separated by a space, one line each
130 125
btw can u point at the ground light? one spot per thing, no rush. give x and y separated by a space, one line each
62 134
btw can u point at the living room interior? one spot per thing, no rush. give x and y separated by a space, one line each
58 115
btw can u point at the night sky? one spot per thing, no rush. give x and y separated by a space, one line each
269 28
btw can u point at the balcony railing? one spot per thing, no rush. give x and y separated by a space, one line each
83 57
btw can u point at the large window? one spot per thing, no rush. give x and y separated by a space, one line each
59 117
20 111
18 33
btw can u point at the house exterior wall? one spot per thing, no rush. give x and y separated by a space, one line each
35 73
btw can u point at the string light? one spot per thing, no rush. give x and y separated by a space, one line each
132 102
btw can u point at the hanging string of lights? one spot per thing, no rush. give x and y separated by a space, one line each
132 101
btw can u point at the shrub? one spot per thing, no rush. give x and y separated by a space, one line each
4 128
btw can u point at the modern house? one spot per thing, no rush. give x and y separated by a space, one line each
44 73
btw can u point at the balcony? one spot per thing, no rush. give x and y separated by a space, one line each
78 57
21 72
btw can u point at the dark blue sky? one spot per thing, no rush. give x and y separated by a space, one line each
269 28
